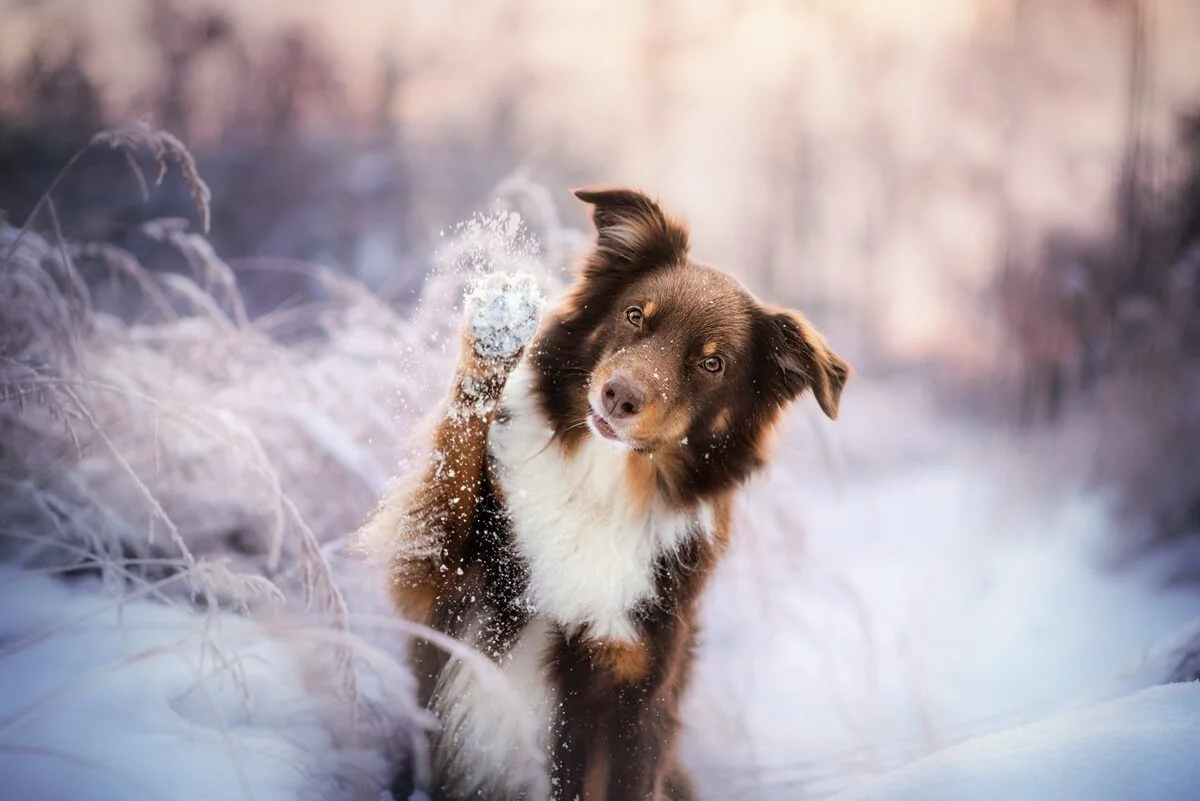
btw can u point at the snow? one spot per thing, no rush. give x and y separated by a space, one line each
1139 747
139 700
503 310
923 592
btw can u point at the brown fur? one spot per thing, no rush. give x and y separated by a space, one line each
442 506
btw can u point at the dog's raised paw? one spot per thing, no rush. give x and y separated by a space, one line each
503 311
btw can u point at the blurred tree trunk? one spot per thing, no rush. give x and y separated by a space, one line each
1137 107
181 40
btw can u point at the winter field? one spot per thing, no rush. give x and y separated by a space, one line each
915 607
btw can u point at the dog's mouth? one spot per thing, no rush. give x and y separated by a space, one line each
599 425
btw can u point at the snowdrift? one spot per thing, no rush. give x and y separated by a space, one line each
1138 747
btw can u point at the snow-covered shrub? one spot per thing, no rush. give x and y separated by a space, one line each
209 468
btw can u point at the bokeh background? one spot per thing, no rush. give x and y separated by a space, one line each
992 208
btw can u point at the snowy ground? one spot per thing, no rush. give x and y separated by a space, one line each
144 700
912 609
943 584
1140 746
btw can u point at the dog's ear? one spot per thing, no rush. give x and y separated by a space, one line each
800 359
632 231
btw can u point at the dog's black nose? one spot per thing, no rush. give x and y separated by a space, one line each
622 398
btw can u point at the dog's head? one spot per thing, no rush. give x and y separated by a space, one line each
655 353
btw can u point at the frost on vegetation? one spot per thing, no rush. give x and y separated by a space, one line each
191 463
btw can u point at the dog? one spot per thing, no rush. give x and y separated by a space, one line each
577 497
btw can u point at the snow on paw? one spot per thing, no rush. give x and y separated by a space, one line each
502 314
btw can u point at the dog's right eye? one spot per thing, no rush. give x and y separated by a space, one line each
634 315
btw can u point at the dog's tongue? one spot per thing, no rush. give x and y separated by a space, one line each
603 427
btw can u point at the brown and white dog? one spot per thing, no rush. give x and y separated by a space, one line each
578 497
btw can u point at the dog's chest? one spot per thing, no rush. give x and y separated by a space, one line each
590 549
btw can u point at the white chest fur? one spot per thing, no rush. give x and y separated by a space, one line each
591 553
591 550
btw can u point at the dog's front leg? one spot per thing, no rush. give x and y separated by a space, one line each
433 518
641 746
619 711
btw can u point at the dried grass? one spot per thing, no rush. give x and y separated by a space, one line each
166 148
195 460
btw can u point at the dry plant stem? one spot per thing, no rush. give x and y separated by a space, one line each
163 145
123 261
43 200
153 452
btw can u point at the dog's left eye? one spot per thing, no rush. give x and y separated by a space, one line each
634 315
713 364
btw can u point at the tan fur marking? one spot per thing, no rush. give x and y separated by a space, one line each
649 307
710 348
721 423
660 424
723 521
669 473
766 441
415 601
639 474
595 783
626 661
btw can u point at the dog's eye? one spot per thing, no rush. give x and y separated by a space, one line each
634 315
713 364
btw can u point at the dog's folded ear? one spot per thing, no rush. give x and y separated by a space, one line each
632 231
801 359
